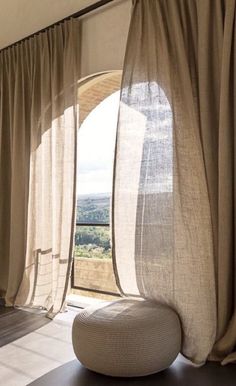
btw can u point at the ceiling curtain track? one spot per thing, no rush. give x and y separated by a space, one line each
78 14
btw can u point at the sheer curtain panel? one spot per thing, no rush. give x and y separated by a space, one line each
38 123
173 202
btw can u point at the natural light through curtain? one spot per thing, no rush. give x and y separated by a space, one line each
145 183
162 232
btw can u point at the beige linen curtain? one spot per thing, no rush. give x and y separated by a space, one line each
173 200
38 122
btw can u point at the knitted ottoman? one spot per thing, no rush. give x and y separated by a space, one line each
127 338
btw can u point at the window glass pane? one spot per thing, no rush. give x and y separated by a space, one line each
96 142
93 267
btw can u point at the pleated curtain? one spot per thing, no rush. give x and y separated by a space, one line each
38 123
174 174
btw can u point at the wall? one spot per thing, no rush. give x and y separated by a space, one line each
104 31
104 36
94 91
94 274
20 18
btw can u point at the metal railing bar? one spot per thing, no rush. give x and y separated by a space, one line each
93 224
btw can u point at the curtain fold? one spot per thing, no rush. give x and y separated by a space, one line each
173 201
38 99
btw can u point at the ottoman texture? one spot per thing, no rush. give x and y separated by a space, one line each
127 338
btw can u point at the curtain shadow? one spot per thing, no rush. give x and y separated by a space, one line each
178 374
16 323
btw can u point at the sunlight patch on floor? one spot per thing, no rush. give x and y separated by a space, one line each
37 353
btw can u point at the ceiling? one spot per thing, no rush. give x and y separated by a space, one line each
20 18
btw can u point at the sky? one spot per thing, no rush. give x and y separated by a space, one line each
96 143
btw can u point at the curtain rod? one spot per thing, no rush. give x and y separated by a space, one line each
80 13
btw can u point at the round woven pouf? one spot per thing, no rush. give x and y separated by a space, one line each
127 338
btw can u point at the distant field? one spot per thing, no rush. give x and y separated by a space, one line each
93 241
94 208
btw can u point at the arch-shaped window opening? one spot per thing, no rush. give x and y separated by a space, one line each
93 269
96 141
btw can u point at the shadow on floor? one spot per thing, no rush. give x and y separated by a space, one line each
179 374
15 324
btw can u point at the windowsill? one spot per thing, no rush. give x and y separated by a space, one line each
82 301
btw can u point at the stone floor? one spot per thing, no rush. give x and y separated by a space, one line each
38 352
179 374
45 357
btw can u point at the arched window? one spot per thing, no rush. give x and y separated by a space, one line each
99 104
